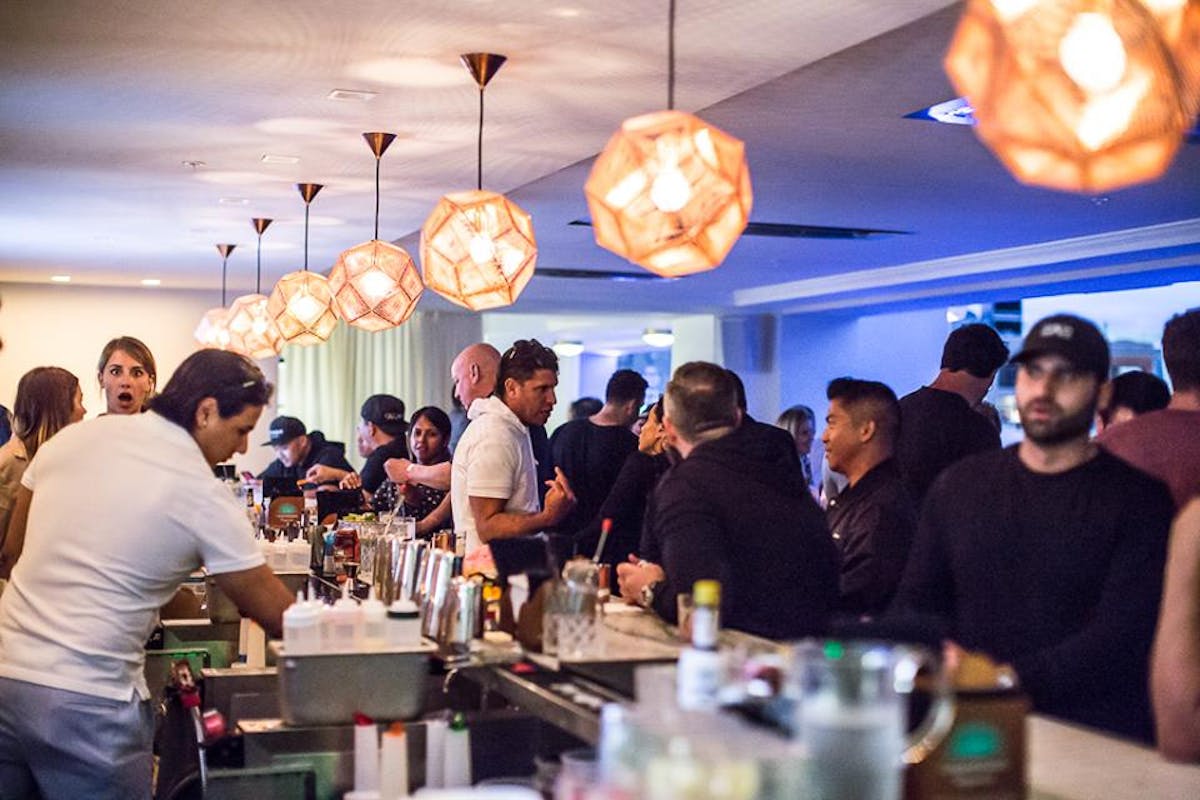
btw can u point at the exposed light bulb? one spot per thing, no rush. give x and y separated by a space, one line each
510 260
1092 53
304 308
670 191
482 248
375 285
1009 10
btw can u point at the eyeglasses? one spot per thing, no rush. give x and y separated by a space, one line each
532 351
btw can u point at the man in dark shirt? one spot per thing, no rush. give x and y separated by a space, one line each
873 519
591 451
938 425
297 450
735 509
380 436
1049 554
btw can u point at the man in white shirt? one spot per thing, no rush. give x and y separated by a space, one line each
118 511
493 488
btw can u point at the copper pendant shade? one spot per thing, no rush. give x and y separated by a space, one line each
301 304
252 332
478 248
375 284
1080 95
213 330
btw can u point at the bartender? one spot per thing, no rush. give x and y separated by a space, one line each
119 511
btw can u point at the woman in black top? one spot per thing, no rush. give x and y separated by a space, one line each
429 441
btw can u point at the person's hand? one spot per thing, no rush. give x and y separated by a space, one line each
397 469
351 481
634 574
560 500
319 473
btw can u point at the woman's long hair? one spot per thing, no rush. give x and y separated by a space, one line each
44 405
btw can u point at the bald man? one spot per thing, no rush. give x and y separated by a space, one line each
474 373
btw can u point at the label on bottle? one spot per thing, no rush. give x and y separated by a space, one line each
705 627
698 679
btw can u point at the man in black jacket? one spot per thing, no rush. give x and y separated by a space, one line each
297 450
874 518
735 509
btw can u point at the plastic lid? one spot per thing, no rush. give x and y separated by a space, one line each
706 593
301 612
459 723
403 608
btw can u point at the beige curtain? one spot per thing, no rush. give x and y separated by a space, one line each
324 385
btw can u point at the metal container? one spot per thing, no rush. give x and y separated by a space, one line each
463 618
410 568
327 688
389 553
435 604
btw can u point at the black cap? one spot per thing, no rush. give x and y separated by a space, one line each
1071 337
283 430
386 412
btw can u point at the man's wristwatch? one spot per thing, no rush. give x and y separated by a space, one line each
648 593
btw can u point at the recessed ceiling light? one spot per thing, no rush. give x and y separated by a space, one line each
656 337
61 278
270 158
567 348
234 201
193 165
151 282
352 95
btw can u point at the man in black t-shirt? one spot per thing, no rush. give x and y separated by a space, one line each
1049 555
591 451
938 425
380 436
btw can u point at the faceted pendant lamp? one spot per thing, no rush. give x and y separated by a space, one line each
477 247
301 303
670 192
213 330
1080 95
252 332
375 284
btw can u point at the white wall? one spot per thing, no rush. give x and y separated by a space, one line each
67 326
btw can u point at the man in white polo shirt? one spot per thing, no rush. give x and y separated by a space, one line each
115 513
493 487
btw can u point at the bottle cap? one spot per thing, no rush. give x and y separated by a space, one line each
706 593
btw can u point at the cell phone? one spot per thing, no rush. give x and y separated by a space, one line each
306 486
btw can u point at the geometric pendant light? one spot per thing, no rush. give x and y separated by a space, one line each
478 249
252 332
375 285
301 303
1080 96
670 192
213 330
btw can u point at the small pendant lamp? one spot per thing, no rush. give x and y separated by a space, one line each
1080 96
301 304
213 330
252 332
477 247
670 192
375 284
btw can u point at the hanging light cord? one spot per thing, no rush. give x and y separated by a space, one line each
224 272
670 60
258 269
376 199
479 144
306 236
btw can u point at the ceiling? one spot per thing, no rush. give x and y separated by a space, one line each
101 105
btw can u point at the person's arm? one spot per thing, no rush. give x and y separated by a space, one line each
877 542
435 520
493 522
435 476
1175 660
259 595
14 537
689 534
323 473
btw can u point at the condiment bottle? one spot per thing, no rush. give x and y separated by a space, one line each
301 627
393 763
699 674
374 622
403 624
456 767
343 623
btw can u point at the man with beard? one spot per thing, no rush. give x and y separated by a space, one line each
1049 554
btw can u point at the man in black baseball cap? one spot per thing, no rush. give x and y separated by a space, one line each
1049 555
298 450
380 435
